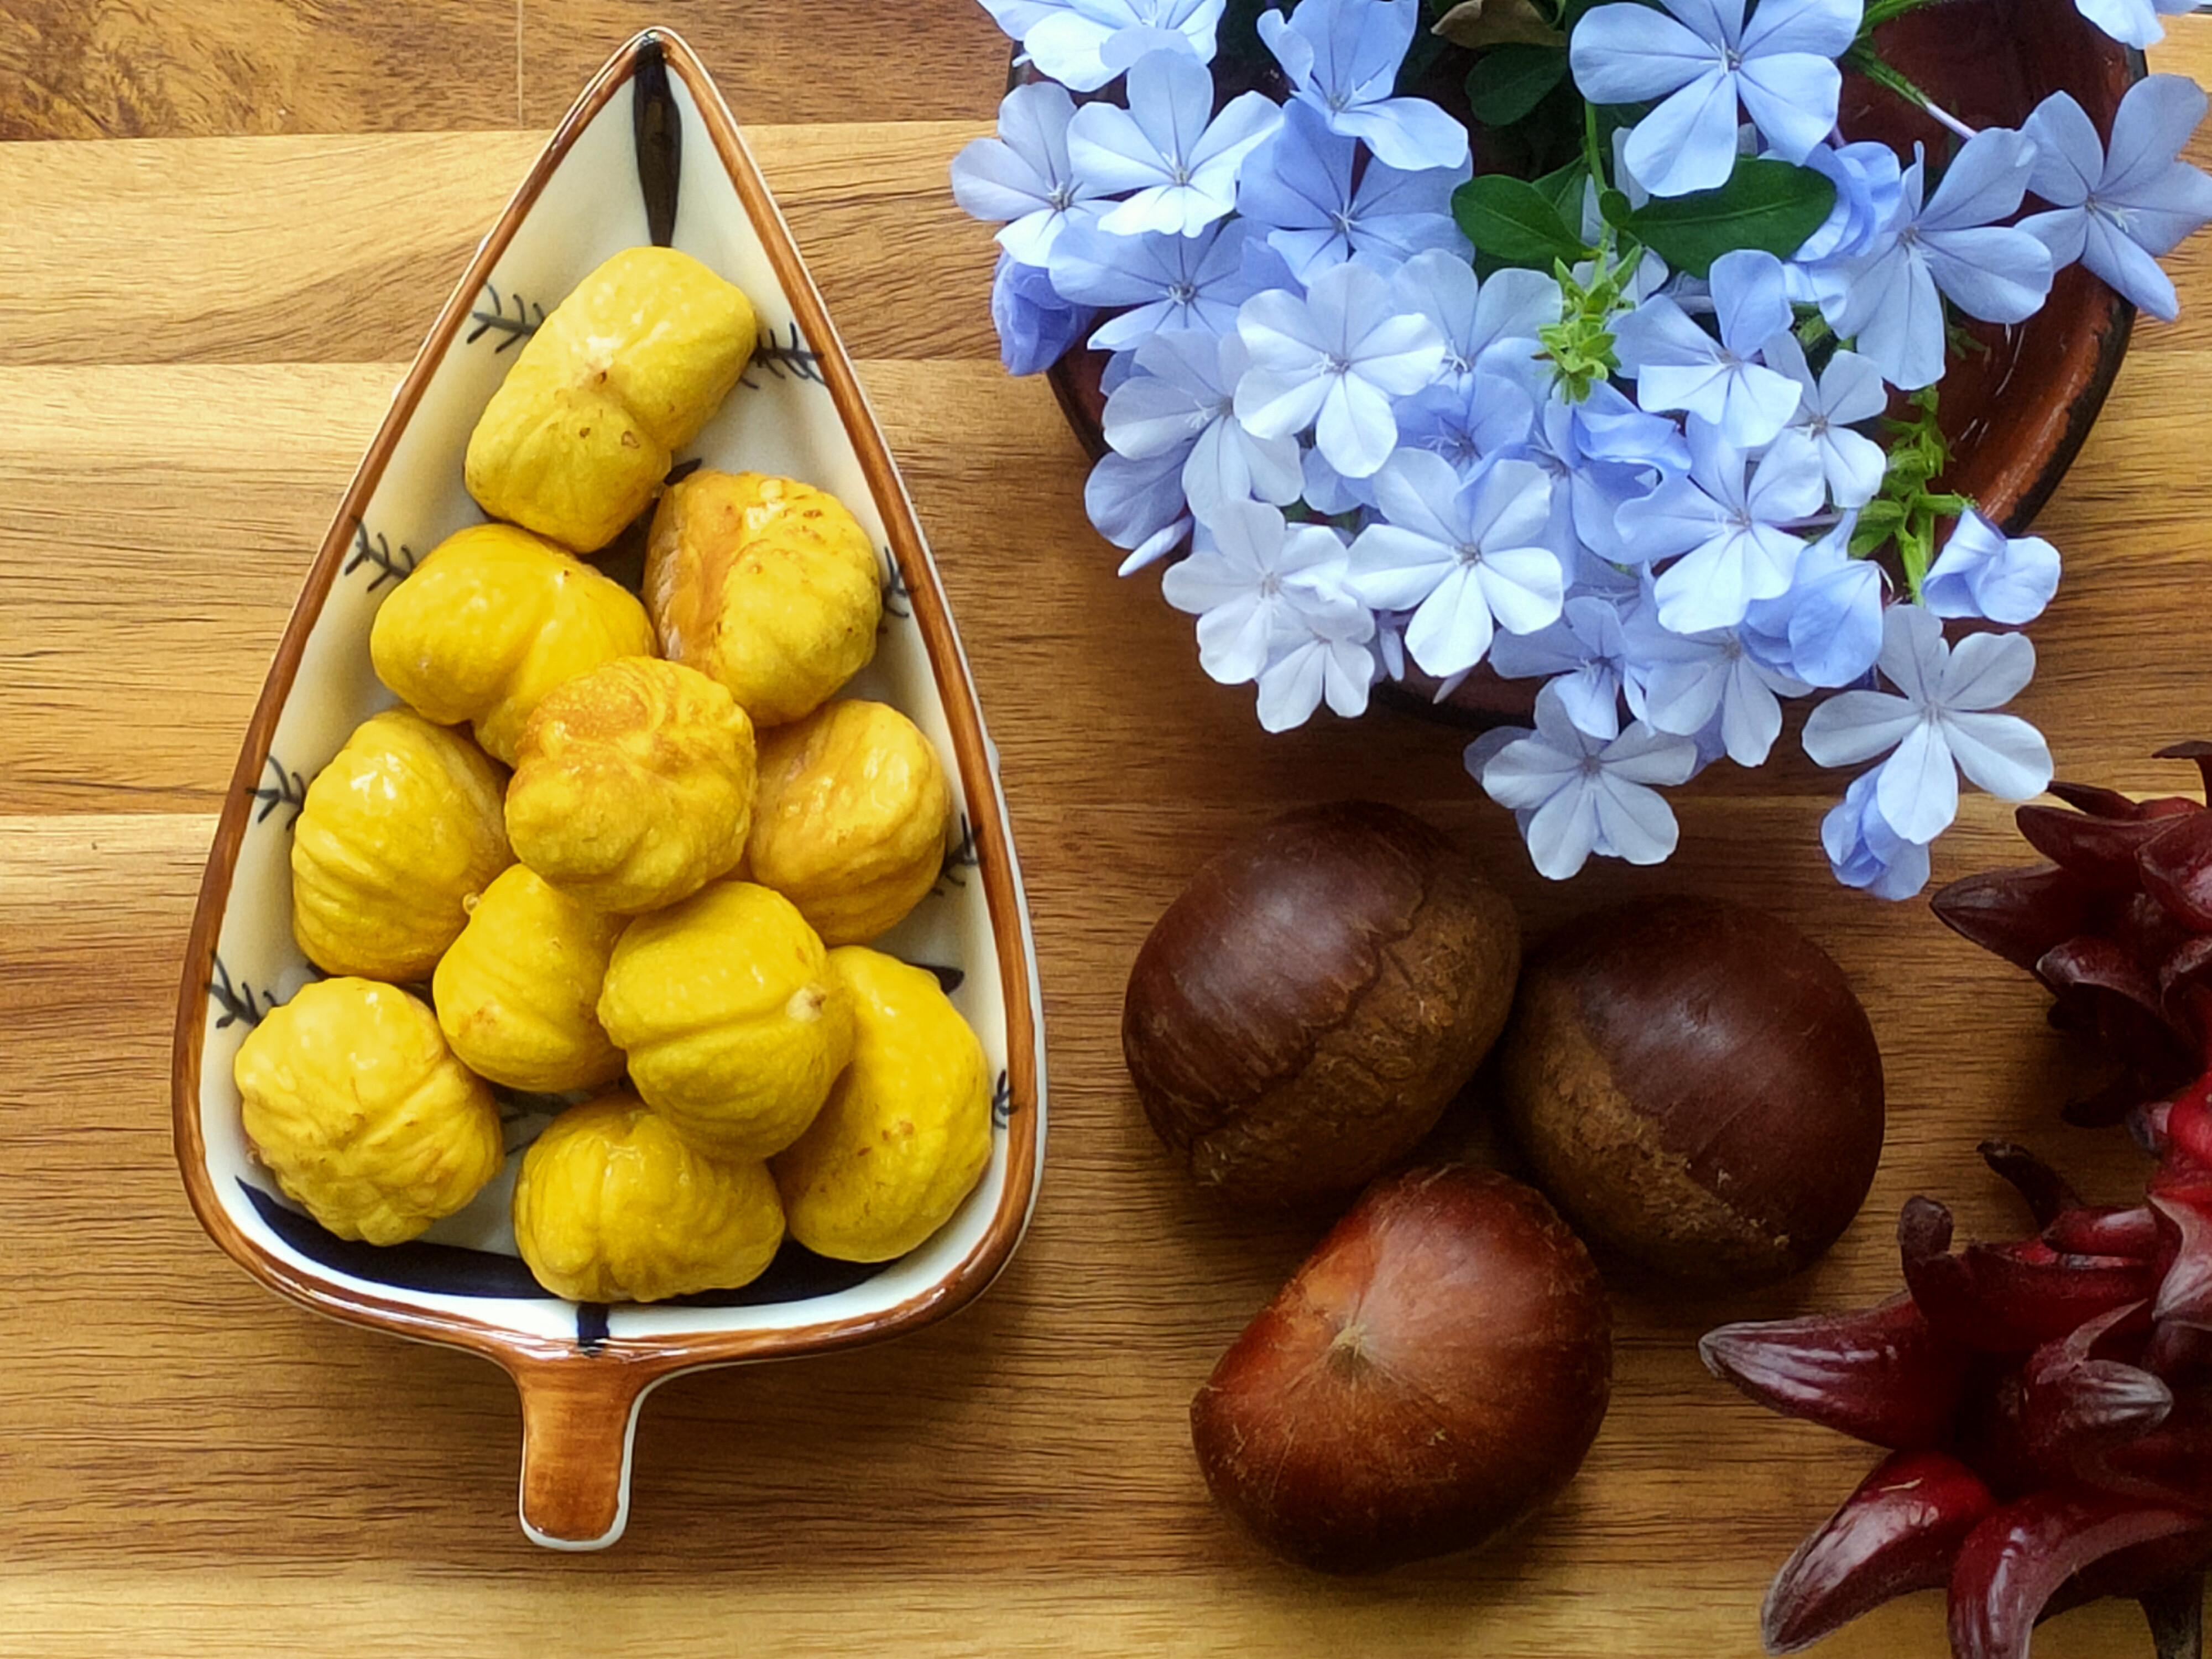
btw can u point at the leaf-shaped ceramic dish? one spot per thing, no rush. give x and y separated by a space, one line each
648 153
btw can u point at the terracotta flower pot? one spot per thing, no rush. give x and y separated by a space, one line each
2016 413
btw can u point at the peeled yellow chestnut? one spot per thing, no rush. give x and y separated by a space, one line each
1300 1018
626 371
632 785
766 584
851 818
492 620
399 831
1696 1087
518 993
612 1205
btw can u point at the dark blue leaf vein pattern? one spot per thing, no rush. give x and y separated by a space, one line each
511 330
238 1000
288 791
963 856
898 598
793 359
1002 1102
375 555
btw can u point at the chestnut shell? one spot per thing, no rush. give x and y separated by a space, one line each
1434 1373
1302 1015
1696 1086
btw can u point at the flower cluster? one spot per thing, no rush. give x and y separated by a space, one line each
1627 428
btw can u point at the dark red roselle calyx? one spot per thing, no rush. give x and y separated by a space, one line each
2046 1403
2047 1407
2117 926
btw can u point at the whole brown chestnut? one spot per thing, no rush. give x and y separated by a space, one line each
1302 1015
1696 1087
1435 1372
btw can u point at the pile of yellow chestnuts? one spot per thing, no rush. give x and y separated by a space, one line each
650 875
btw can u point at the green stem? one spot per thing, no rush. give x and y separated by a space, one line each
1592 156
1879 12
1862 58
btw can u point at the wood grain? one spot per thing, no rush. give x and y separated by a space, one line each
199 334
149 69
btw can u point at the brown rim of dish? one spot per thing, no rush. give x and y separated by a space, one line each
627 1365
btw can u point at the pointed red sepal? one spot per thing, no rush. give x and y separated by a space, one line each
1879 1375
2017 914
2100 850
2012 1562
2008 1298
1900 1532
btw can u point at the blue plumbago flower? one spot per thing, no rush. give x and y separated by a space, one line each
1826 629
1584 794
1849 390
1329 492
1139 505
1865 852
1868 179
1343 57
1703 60
1036 326
1984 572
1487 326
2117 209
1181 401
1677 365
1582 653
2133 22
1691 682
1600 454
1889 300
1334 360
1023 175
1724 518
1168 147
1250 578
1467 422
1084 44
1170 282
1323 652
1608 427
1940 722
1466 559
1300 186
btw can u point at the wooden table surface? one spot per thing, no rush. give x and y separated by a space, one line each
224 230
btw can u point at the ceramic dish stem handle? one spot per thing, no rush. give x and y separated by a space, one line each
579 1415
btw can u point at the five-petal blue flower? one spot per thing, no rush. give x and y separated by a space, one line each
1301 188
1940 721
1704 58
1179 159
1889 299
2117 209
1343 57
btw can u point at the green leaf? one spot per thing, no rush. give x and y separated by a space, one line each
1510 220
1613 206
1507 83
1766 203
1562 188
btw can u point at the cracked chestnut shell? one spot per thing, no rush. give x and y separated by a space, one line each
1696 1087
1302 1015
1434 1373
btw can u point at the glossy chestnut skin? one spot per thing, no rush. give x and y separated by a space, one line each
1434 1373
1696 1087
1302 1015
